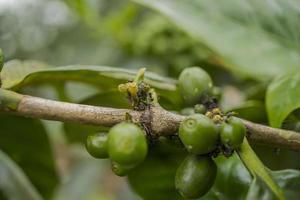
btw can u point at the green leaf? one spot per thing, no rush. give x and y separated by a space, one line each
14 183
235 182
259 190
232 180
257 169
289 180
26 142
286 179
14 71
252 110
257 39
111 98
283 96
16 74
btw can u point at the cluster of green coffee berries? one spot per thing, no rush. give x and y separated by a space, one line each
203 135
125 144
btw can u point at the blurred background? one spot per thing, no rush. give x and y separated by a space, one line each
126 34
114 33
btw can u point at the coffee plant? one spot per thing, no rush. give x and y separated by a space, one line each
214 115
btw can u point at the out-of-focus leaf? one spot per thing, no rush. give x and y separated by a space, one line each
13 76
79 132
1 59
252 110
14 71
113 99
83 180
103 75
86 11
283 96
257 169
26 142
77 92
288 180
154 178
233 179
14 183
259 190
277 159
254 90
257 39
234 182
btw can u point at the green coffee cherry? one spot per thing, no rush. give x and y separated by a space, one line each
216 92
200 108
96 145
127 144
199 134
187 111
120 170
232 133
193 83
195 176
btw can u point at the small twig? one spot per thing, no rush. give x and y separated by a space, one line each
163 122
